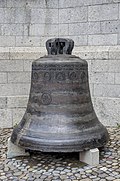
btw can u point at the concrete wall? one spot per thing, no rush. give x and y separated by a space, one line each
31 22
25 25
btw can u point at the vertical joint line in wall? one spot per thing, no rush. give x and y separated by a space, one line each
15 41
28 29
28 19
7 77
87 38
114 78
87 22
6 3
108 54
118 10
12 117
23 28
68 29
9 52
100 27
6 102
23 65
58 19
118 35
87 13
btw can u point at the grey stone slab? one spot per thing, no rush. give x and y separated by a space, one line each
17 101
78 14
3 77
19 77
12 29
6 41
64 15
75 3
78 29
106 39
3 102
44 16
80 40
14 89
11 65
3 3
102 90
14 3
43 4
102 78
44 29
103 12
63 29
31 41
110 26
93 28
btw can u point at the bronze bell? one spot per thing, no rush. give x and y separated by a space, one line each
59 115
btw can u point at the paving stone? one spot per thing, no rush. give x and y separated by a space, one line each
17 173
88 171
86 179
103 175
103 168
110 178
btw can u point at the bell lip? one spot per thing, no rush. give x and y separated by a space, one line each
67 147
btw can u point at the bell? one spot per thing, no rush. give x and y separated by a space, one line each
59 115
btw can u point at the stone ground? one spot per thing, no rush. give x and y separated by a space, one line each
60 167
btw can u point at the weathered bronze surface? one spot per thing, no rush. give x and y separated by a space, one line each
59 115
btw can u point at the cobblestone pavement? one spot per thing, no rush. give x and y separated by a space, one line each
60 167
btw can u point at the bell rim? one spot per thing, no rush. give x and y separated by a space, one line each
76 145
